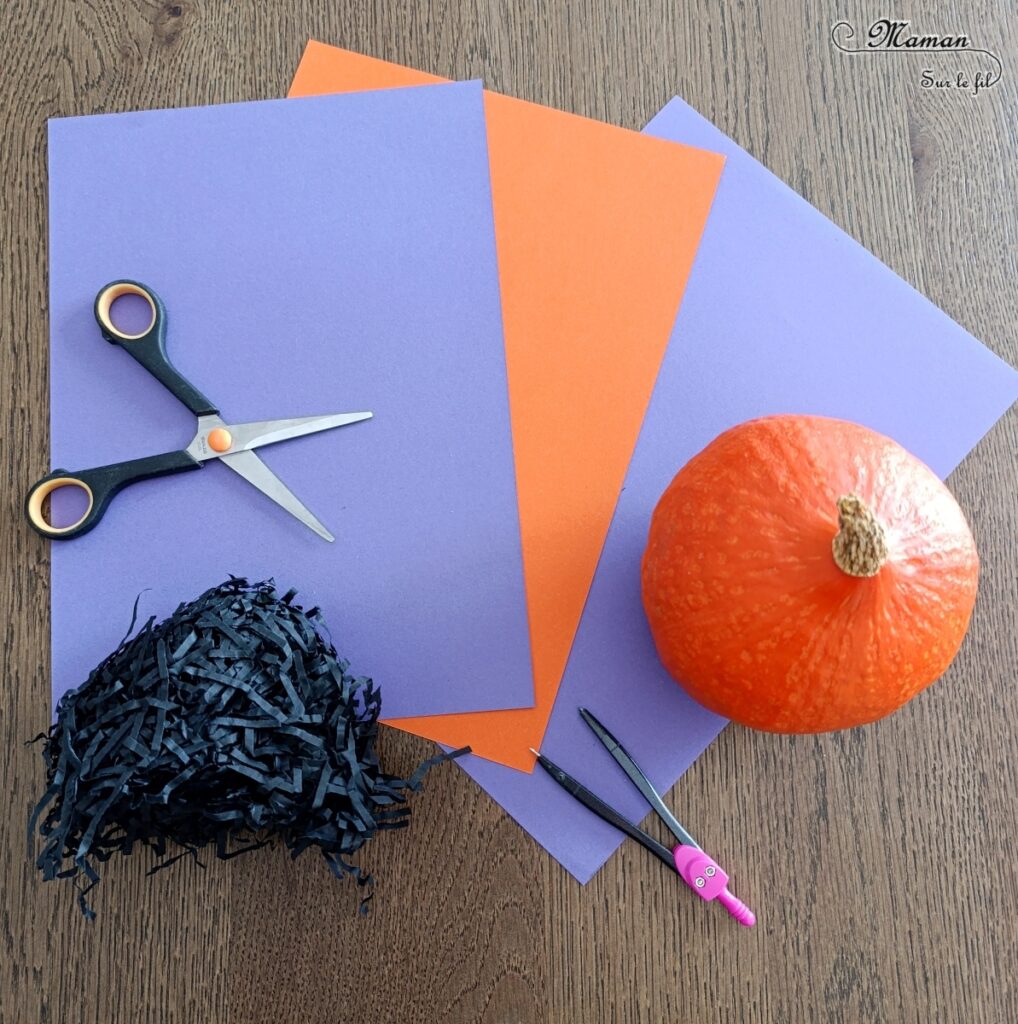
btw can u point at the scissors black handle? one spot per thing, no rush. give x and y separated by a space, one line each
100 485
148 347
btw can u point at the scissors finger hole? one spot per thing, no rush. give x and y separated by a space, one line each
126 310
60 505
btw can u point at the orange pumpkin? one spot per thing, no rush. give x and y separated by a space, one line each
805 574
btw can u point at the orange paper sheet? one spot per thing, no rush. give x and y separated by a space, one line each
596 229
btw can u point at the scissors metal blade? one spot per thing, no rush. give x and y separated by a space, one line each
254 435
248 465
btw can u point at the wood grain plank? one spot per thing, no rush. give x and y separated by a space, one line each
448 936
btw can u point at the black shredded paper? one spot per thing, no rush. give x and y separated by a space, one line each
228 724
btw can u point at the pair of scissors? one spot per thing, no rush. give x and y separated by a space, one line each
231 444
699 871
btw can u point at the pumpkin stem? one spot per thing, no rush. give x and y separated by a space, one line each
860 546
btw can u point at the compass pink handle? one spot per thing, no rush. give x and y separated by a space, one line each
737 908
704 876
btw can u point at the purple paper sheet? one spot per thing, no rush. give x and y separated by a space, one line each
783 313
315 255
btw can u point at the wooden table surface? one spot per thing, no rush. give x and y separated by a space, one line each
880 861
